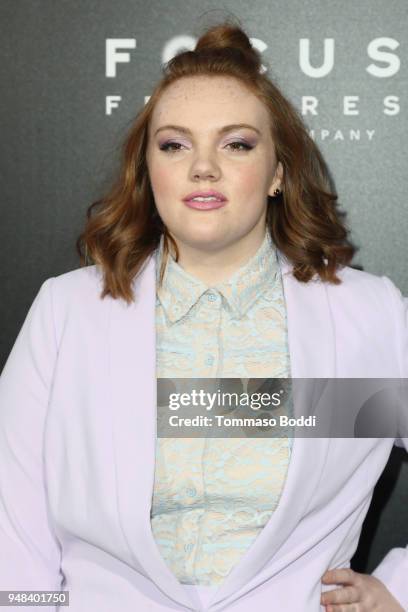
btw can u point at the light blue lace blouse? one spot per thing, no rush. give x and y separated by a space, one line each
213 496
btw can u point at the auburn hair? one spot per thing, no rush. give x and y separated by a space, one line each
124 228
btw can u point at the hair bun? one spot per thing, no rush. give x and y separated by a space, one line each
230 38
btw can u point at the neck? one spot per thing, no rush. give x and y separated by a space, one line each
213 266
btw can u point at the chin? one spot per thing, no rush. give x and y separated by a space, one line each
206 243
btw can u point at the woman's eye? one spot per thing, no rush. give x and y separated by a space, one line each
239 143
166 145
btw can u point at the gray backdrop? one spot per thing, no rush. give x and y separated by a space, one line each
343 64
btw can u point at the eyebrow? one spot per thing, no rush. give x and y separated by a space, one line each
225 128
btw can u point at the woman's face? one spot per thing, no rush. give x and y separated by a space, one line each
239 162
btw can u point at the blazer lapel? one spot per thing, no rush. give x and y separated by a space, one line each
133 377
312 355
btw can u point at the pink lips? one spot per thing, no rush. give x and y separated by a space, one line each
218 203
204 205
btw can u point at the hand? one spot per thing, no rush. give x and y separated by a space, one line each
362 593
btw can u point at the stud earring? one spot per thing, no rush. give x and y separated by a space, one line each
276 192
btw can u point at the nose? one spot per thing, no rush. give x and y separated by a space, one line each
203 166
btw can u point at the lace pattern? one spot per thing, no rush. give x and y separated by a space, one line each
213 496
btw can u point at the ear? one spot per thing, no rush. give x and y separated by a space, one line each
277 179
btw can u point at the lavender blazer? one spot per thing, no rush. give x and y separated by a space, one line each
77 449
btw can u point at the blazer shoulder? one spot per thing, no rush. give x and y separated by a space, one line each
364 293
76 297
352 276
80 284
369 293
85 285
366 285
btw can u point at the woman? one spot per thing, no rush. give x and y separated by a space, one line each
252 283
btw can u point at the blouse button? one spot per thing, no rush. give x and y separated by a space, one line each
212 297
209 360
191 491
188 547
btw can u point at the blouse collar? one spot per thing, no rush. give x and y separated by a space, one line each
180 290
